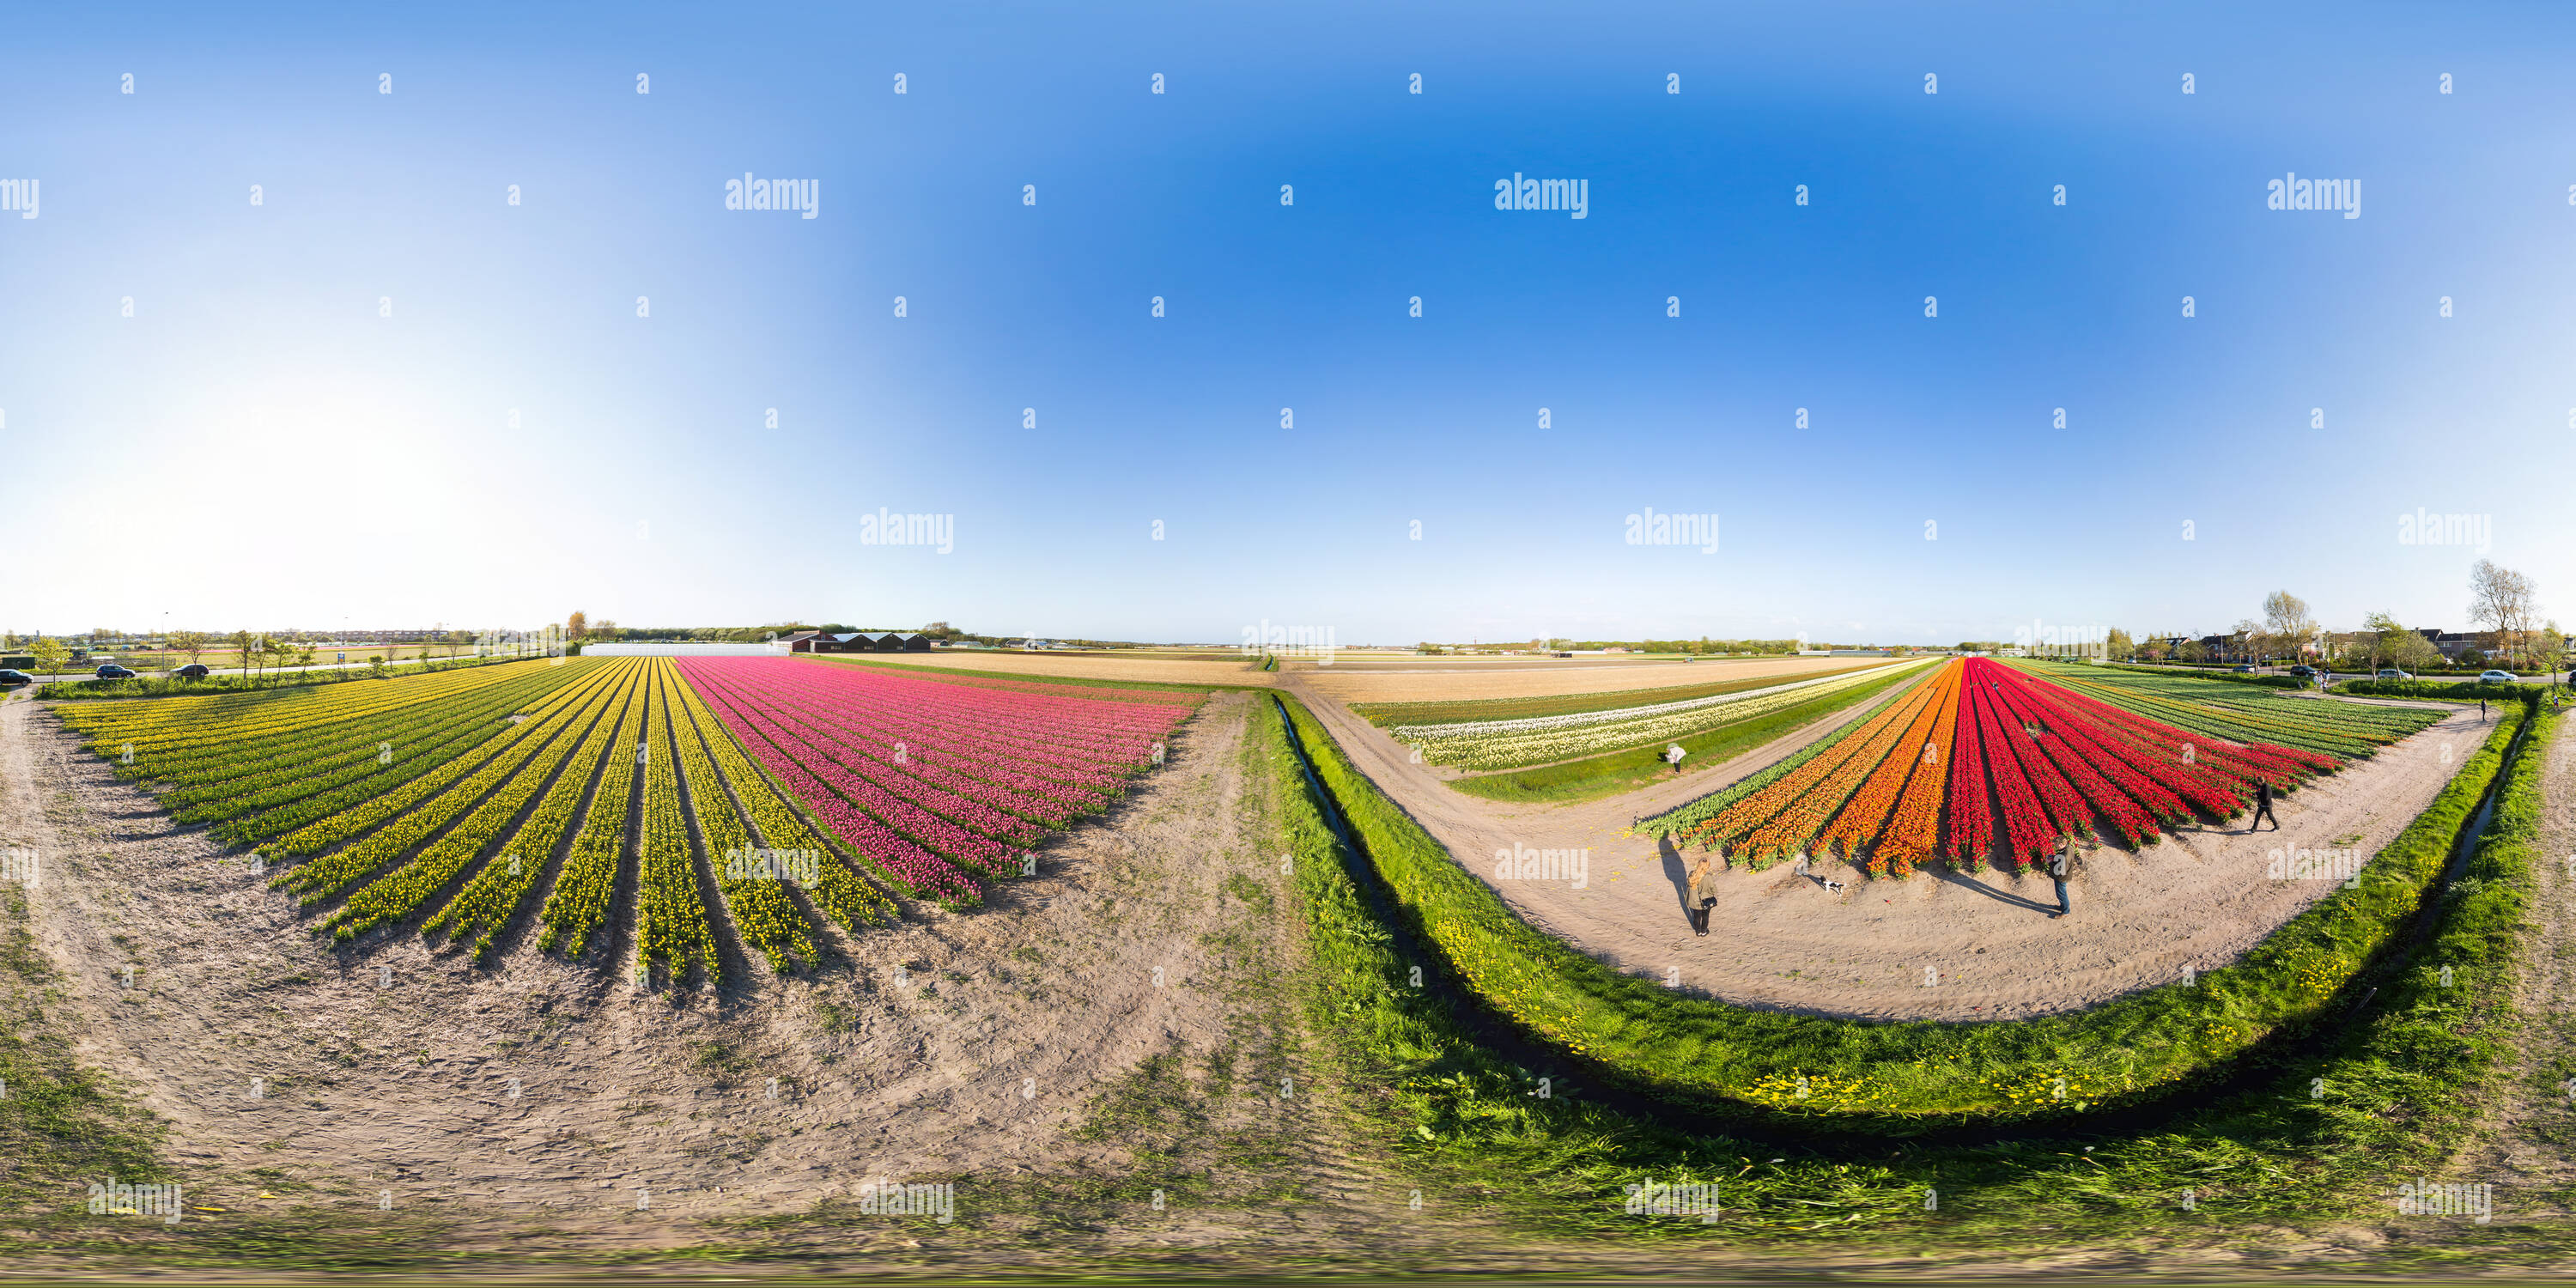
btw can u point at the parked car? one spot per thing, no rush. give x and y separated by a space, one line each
2303 672
111 671
12 679
2498 677
2392 673
193 671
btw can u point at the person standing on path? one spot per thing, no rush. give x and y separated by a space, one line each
2058 868
1703 892
2263 806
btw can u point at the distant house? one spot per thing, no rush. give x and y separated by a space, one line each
2454 643
800 642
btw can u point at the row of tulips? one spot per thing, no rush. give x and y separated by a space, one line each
1984 755
903 864
576 909
933 756
918 827
762 912
481 910
837 890
896 768
931 784
1865 819
670 917
422 808
281 799
1061 739
2027 831
171 736
400 892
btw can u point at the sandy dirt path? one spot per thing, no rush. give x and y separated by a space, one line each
2198 899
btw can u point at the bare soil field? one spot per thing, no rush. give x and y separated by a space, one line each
2199 899
1357 684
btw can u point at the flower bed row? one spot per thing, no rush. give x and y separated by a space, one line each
1986 756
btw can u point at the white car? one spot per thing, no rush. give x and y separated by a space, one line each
2498 677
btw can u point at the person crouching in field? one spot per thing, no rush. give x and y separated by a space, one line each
1703 892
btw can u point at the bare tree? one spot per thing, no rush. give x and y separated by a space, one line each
2502 600
2287 623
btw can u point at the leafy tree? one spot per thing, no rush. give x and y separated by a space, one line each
50 654
577 626
245 647
188 644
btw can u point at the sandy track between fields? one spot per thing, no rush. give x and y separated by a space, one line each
2198 899
407 1088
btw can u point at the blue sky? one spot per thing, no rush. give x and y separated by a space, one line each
259 445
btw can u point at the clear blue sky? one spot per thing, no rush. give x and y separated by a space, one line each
258 446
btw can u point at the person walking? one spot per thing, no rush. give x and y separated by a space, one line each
1703 892
2263 806
2058 868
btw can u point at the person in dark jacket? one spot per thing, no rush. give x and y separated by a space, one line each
2058 868
1703 892
2263 806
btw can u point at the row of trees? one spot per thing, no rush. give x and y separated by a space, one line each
2503 602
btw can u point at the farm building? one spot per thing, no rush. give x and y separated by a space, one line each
858 642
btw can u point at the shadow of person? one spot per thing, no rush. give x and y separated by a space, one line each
1999 896
1677 871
